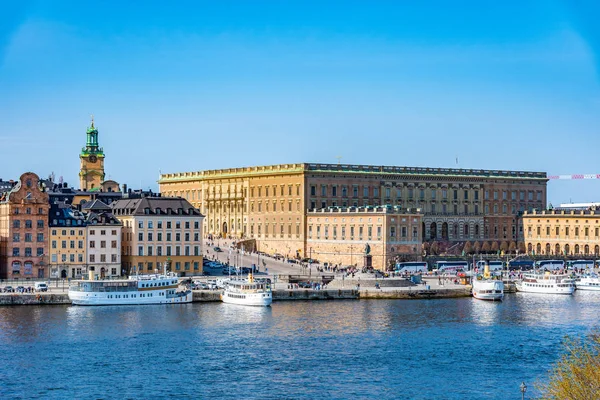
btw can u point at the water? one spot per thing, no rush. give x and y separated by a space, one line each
451 349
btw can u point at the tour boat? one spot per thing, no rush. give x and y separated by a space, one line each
588 282
487 288
138 289
248 292
546 283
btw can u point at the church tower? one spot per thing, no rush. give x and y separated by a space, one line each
91 173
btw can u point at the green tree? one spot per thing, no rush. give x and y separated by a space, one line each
576 375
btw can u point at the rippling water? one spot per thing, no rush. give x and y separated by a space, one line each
451 349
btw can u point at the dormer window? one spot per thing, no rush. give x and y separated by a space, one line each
157 210
146 211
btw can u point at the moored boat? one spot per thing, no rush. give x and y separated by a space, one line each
485 287
138 289
546 283
588 282
248 292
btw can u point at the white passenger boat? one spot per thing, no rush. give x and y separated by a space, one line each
588 282
485 287
546 283
138 289
248 292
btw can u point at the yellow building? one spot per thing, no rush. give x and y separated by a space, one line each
269 204
160 232
67 251
341 235
562 232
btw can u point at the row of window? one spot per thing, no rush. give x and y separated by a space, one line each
159 224
274 208
159 236
28 237
567 231
513 195
28 224
272 190
16 252
63 244
92 232
274 229
149 266
28 210
150 251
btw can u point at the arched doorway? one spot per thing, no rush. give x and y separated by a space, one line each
529 247
433 231
102 273
576 249
586 250
225 228
538 248
63 273
597 250
547 248
567 250
445 231
557 249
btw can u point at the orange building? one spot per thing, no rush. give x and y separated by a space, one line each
24 230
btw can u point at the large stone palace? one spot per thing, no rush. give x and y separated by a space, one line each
271 204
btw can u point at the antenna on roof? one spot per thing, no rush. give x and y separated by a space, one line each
339 158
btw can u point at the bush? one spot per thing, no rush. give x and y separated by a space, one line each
576 376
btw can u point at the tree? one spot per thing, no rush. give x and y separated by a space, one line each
468 249
485 248
477 248
433 249
495 247
512 247
576 375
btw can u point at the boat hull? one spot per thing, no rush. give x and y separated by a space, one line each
250 299
101 299
545 290
585 286
490 290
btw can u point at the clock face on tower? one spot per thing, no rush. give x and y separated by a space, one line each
93 159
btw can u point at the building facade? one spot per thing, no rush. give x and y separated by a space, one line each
67 238
103 247
91 172
562 232
24 230
270 203
160 232
341 235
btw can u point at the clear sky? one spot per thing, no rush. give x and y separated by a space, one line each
191 85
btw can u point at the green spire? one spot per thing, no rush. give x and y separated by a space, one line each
91 145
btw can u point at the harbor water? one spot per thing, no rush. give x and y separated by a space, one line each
421 349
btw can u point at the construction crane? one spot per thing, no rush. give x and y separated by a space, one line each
575 176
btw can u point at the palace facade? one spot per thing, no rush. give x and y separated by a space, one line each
270 204
562 232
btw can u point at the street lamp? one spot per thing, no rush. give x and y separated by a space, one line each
523 388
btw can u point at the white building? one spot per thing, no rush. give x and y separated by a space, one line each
103 248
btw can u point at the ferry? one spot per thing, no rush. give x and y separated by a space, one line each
138 289
247 292
588 282
487 288
546 283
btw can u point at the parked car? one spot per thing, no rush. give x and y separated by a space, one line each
278 256
41 287
304 285
8 289
217 249
20 289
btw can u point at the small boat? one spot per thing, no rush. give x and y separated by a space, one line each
546 283
485 287
138 289
248 292
588 282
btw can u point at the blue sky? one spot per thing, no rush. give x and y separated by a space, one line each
178 86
